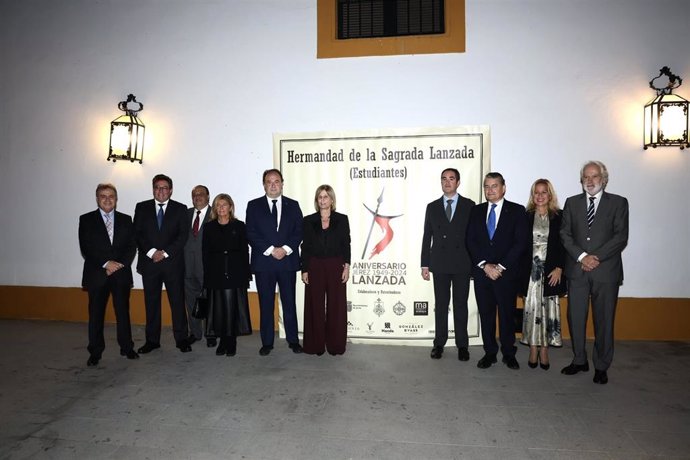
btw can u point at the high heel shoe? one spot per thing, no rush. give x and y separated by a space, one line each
542 365
531 364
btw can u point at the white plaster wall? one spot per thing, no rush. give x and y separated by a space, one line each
559 82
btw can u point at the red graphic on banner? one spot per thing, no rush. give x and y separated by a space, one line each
384 223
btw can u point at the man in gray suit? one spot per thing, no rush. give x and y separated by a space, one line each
197 216
594 233
445 255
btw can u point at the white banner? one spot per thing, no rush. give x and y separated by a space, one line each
383 180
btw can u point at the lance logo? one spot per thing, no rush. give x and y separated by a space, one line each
384 222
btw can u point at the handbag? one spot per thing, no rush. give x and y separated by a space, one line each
200 308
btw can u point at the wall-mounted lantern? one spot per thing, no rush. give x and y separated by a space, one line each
666 116
127 133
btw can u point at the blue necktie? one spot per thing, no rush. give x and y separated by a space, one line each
160 216
491 223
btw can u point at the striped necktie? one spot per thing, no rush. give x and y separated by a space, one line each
590 212
109 227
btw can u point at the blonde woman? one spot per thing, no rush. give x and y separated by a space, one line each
225 253
543 280
325 271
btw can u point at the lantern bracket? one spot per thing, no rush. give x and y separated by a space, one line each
674 81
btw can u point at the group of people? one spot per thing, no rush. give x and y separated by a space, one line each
203 252
540 253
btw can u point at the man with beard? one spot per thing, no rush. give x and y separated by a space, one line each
594 233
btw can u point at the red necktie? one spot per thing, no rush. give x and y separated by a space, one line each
195 227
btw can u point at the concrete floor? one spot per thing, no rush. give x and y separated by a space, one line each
375 402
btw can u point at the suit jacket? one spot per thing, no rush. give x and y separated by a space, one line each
555 256
338 243
606 239
171 237
262 234
97 250
226 255
193 264
443 243
506 247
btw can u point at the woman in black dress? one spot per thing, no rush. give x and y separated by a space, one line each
325 271
225 253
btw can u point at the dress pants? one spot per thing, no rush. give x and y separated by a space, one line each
460 285
265 286
325 307
119 288
501 293
604 297
153 278
192 289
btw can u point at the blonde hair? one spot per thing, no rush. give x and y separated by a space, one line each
329 190
552 205
225 197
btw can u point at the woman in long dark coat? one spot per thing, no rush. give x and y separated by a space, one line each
225 253
325 271
543 280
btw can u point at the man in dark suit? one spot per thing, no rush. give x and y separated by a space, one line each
445 255
161 230
197 216
497 236
594 233
274 229
106 240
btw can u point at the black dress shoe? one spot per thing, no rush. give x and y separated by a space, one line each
436 352
486 361
463 354
265 350
544 366
531 364
148 347
131 354
211 342
572 368
511 362
600 377
185 347
222 349
295 347
93 360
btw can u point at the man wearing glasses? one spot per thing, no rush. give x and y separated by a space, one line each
161 232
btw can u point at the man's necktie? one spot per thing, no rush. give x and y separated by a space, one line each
160 216
491 222
449 209
274 212
590 211
195 227
109 227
